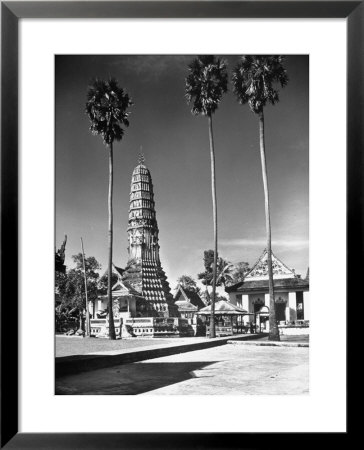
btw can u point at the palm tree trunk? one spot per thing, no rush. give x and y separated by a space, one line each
109 272
273 326
208 298
214 211
87 326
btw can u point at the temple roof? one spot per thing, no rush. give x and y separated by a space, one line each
120 288
260 269
257 279
186 306
185 295
118 270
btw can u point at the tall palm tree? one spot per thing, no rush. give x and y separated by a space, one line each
206 82
107 108
254 82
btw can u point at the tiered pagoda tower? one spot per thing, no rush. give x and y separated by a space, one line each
144 271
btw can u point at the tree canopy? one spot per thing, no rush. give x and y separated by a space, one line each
223 271
71 286
188 283
254 79
107 108
239 271
206 82
103 282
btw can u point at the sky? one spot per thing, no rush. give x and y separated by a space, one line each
176 148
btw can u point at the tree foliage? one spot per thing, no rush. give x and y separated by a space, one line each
224 270
103 282
254 79
107 108
71 286
206 82
239 271
188 283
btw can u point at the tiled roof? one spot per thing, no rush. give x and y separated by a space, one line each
119 269
223 307
186 306
189 296
131 289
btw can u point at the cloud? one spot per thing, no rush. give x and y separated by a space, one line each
151 67
261 243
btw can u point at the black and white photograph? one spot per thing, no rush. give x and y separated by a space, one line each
182 225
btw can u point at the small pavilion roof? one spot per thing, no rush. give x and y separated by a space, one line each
223 307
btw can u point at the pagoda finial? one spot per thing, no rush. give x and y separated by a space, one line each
141 159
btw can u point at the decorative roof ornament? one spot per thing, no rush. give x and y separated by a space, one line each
260 269
141 158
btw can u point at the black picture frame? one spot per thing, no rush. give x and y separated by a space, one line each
11 12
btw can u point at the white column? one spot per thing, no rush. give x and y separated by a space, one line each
287 312
292 306
99 305
245 302
306 305
245 305
266 300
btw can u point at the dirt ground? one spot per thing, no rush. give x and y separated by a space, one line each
224 370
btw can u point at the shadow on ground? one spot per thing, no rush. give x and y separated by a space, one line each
130 379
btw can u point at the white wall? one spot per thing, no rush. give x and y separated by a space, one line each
292 307
306 305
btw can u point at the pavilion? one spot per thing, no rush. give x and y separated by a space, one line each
228 318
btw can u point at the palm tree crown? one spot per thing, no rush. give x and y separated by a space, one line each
206 83
254 78
106 108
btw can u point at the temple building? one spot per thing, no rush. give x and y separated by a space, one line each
124 297
291 293
144 272
188 302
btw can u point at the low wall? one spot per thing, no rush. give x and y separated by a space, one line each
288 330
144 327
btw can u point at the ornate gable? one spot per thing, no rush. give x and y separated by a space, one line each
180 295
260 269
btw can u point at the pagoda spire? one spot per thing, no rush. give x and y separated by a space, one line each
144 271
141 158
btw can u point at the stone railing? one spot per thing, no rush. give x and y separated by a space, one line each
295 327
100 327
144 327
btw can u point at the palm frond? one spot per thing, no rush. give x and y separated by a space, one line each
255 78
206 82
107 108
